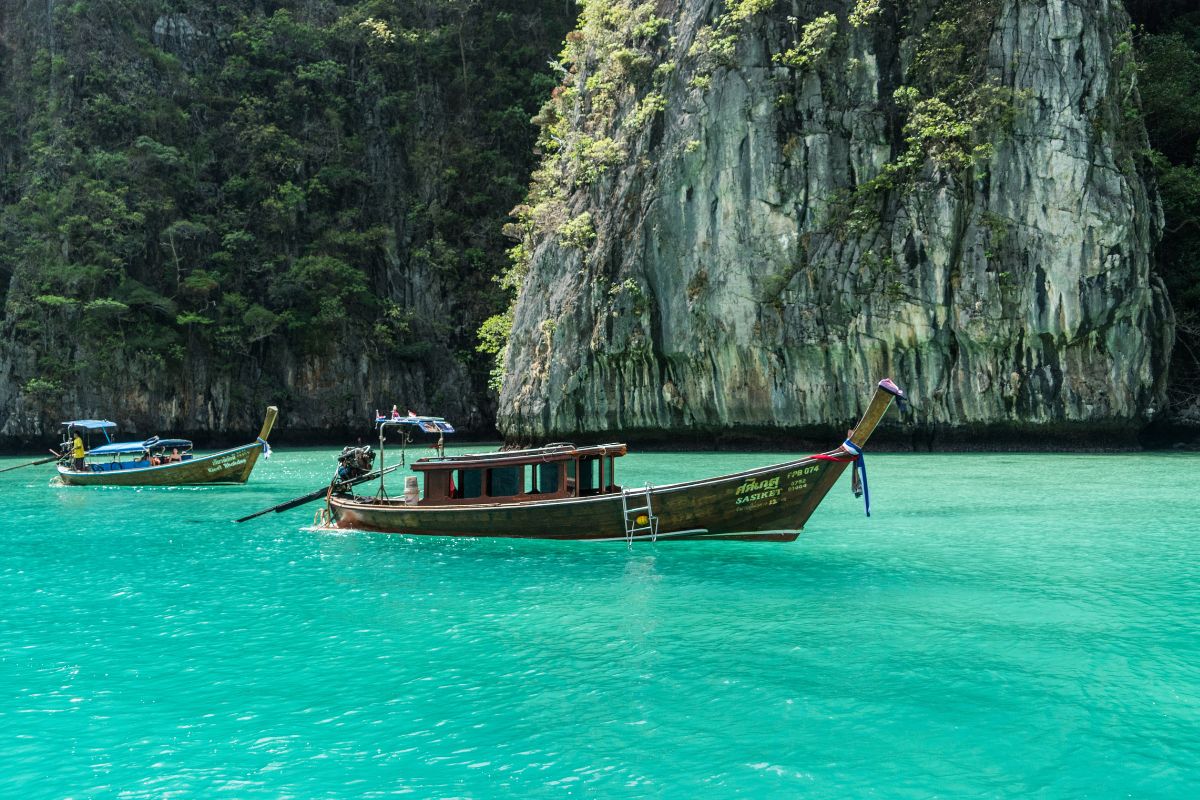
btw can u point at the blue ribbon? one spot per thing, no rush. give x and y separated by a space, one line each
860 464
266 448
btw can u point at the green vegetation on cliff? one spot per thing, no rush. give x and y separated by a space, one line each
194 188
1168 47
604 67
210 183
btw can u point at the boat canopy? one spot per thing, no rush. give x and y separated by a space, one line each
91 424
427 424
156 443
120 448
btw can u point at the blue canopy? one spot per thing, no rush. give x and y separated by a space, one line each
91 424
156 443
116 448
427 424
119 448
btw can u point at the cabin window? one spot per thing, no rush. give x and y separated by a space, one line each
541 478
547 478
504 481
587 476
470 483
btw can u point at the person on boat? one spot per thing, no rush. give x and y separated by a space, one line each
155 460
175 457
77 451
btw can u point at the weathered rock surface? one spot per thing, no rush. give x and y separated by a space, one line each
322 398
716 297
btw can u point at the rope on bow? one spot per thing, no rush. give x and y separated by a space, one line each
859 482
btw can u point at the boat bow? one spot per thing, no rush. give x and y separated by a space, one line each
853 448
885 393
268 424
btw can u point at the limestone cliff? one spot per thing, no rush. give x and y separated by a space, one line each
750 212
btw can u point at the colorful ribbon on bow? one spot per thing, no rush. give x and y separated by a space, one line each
859 484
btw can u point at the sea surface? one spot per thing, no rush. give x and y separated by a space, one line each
1002 626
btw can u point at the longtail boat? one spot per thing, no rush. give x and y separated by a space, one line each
568 492
155 461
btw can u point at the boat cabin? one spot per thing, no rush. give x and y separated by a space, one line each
112 455
152 452
516 476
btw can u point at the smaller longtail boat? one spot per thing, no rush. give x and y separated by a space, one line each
155 461
566 492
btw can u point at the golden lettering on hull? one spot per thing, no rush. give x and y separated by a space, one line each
753 494
757 493
757 496
802 471
226 462
752 485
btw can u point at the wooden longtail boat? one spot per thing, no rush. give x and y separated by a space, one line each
160 462
568 492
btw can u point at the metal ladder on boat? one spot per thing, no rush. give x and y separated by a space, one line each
640 517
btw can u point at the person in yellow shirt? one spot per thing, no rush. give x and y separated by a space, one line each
77 451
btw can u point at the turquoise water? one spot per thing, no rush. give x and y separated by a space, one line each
1003 625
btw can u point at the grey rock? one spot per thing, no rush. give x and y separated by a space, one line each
716 299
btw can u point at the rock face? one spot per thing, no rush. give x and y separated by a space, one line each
755 268
322 398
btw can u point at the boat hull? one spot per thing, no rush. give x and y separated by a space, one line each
768 504
228 466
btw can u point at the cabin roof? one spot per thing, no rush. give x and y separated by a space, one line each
506 458
91 424
118 448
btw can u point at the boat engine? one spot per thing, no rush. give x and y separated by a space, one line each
354 462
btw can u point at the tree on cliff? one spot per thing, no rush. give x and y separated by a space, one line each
1168 46
235 189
